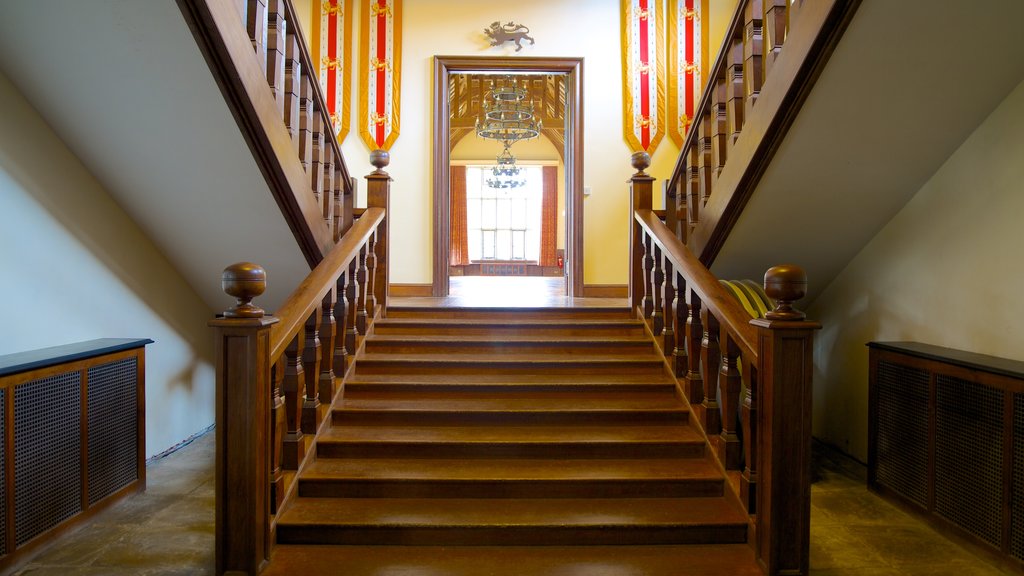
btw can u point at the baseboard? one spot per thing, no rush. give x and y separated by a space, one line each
410 290
605 291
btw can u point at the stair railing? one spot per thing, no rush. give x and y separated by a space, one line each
772 53
262 64
278 375
712 346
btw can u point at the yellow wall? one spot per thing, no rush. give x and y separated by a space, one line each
567 28
946 270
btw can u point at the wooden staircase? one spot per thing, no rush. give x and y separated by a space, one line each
512 441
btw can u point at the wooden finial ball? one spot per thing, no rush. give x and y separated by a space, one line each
379 159
244 281
640 161
786 284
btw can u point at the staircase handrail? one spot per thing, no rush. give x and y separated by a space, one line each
772 53
260 60
715 351
278 375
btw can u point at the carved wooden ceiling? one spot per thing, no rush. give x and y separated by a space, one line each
466 93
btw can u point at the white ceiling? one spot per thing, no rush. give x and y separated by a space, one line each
123 83
908 82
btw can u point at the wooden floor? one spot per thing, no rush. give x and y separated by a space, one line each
513 291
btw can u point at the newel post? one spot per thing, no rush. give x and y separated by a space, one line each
783 403
243 407
640 198
378 195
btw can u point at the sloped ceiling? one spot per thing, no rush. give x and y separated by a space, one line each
124 85
908 82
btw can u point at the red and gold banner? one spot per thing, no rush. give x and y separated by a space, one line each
380 35
643 66
687 62
332 50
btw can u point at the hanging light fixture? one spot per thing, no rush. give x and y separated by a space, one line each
505 171
507 117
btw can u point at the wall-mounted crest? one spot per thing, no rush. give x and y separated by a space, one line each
500 33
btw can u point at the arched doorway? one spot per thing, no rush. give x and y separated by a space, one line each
571 70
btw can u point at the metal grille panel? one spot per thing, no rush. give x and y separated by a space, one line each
3 471
1017 501
903 431
969 456
113 427
47 454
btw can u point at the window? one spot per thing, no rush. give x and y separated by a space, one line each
503 223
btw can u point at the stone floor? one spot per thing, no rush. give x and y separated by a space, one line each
168 530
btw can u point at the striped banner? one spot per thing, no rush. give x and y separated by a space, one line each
687 62
332 45
643 66
380 71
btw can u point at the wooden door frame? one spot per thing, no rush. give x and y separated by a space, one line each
573 69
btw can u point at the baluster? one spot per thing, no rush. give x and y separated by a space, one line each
316 166
753 49
292 91
311 364
256 26
671 207
341 352
734 90
306 118
278 429
710 357
748 417
294 446
328 335
729 383
640 198
648 277
327 178
351 292
339 201
694 335
720 132
657 285
361 292
669 334
275 51
371 277
775 17
689 185
706 167
378 195
680 361
350 199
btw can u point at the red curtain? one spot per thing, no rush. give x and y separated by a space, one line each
459 251
549 217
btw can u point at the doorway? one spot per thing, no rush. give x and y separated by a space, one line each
569 72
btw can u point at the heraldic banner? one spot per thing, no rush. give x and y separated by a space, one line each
687 63
380 72
332 50
643 66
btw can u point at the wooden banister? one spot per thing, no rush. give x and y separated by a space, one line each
768 63
716 350
276 375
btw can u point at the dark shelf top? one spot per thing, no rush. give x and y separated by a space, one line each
33 359
971 360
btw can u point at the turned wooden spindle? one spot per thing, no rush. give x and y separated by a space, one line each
292 89
276 52
719 132
680 359
706 167
256 26
278 429
710 359
648 285
294 389
668 342
729 380
361 293
748 417
371 276
775 18
694 337
753 49
328 348
640 198
351 296
785 284
244 281
734 90
316 166
341 350
326 179
657 285
306 116
311 372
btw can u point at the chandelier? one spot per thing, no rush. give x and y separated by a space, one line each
507 117
505 171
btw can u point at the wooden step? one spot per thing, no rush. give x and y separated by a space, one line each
511 478
503 313
491 345
657 560
511 521
514 378
501 441
509 328
509 364
446 385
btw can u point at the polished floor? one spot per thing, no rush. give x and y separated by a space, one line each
509 291
168 530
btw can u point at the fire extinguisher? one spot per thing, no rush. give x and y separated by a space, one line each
561 261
